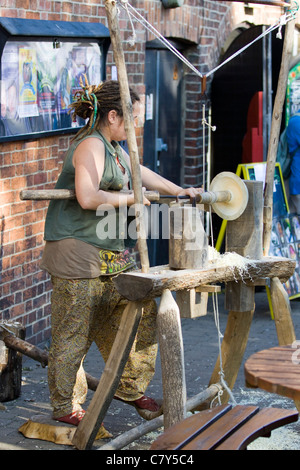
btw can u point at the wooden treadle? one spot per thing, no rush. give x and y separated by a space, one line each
223 428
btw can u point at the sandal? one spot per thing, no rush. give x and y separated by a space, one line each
73 418
147 407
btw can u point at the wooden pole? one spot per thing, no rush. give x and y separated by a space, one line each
113 23
280 300
17 344
275 132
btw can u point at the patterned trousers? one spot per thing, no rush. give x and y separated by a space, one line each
88 310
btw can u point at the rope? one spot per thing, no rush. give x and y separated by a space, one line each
140 19
220 336
284 19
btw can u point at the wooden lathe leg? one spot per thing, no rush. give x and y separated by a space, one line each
172 362
282 313
109 381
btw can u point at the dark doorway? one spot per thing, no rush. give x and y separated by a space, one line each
233 88
163 126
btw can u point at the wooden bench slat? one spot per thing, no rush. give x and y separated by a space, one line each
223 428
220 430
265 421
181 433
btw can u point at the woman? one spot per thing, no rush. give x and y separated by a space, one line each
85 305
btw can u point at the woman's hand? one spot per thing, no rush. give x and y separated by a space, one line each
191 192
131 201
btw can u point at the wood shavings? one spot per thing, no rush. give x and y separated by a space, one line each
234 262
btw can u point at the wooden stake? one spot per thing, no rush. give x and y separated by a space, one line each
282 313
172 361
275 132
113 24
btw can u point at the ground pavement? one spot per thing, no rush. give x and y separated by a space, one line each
200 349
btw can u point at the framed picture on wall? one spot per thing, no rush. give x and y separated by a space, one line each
40 76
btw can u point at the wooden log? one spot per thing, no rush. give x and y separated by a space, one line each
108 383
38 355
26 348
138 286
188 244
46 194
10 363
172 360
188 249
113 24
244 235
275 132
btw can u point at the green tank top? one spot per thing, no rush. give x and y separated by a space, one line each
65 217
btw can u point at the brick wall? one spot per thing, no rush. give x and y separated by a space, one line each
25 290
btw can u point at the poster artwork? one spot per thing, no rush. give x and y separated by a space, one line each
28 105
285 242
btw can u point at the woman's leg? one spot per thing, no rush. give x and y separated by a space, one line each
72 314
140 367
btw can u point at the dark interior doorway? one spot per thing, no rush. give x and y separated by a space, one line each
163 126
233 87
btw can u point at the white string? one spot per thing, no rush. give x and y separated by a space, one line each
132 39
271 28
138 17
282 21
220 336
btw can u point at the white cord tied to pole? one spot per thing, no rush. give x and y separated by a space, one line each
220 336
132 38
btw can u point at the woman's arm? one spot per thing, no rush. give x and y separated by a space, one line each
153 181
88 161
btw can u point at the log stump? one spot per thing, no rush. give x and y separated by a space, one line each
10 362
